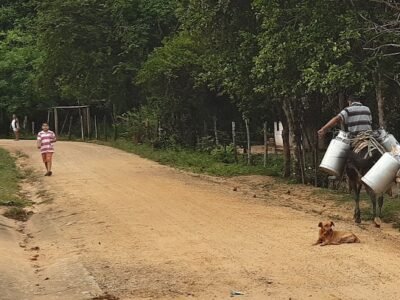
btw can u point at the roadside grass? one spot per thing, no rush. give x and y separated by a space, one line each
337 196
21 154
200 162
17 213
24 135
10 195
9 179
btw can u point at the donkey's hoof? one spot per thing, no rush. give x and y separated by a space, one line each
358 220
377 222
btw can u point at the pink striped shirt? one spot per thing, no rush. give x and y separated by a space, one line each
46 141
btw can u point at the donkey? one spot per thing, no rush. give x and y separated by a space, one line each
358 164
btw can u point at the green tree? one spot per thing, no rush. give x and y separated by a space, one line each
19 61
93 49
169 80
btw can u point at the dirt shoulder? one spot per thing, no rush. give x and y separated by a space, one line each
119 224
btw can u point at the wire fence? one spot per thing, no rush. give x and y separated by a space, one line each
250 142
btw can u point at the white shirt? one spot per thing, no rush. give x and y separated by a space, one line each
14 125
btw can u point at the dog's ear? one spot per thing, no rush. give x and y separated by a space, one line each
332 224
320 224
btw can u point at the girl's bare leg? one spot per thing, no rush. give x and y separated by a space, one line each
49 163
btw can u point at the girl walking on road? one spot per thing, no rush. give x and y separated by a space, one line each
45 140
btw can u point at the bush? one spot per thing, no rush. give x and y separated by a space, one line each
225 154
165 142
206 144
139 125
201 162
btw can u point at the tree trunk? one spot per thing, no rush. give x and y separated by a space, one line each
380 100
286 148
317 109
293 116
215 131
56 121
248 141
342 105
316 158
265 144
234 141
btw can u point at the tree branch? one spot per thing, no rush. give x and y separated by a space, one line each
389 3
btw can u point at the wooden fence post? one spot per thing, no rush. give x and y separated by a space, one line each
316 159
205 128
114 121
56 121
265 144
215 131
159 130
234 141
248 141
105 127
82 131
95 127
64 123
69 128
88 122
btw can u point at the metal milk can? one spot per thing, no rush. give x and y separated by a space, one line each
388 142
381 176
335 157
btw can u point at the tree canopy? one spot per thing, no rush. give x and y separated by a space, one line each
188 61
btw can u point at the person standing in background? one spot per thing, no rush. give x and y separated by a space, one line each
15 126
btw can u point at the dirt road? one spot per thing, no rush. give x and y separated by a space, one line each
114 224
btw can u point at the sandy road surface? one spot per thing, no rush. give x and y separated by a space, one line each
123 225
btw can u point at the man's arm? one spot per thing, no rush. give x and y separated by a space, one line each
332 123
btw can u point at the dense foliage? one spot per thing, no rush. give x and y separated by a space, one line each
177 65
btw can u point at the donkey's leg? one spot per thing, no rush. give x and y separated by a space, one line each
355 187
373 200
357 211
372 195
380 205
356 192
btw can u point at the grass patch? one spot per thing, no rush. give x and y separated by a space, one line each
28 173
200 162
338 196
17 213
21 154
106 296
9 179
390 210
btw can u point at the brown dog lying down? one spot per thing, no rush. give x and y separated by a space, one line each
329 237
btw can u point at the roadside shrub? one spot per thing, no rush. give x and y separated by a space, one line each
139 125
225 154
206 144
